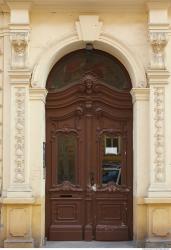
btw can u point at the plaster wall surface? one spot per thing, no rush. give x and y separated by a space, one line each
131 30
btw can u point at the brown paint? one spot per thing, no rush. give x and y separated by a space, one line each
89 109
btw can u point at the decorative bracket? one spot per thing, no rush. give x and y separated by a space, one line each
19 46
158 42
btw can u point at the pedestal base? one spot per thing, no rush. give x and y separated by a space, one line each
18 243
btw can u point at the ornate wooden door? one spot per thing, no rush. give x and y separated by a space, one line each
89 162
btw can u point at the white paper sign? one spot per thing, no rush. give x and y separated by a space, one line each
111 150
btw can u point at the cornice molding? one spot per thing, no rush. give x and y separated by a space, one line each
140 94
159 27
38 94
19 77
158 77
80 5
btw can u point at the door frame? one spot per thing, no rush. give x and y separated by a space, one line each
140 96
106 93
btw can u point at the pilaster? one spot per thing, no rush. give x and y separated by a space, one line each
19 216
1 100
19 28
37 130
19 79
19 169
158 210
158 76
140 98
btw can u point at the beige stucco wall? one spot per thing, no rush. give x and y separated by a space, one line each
53 34
52 26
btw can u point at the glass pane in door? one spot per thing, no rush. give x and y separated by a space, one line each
67 151
111 163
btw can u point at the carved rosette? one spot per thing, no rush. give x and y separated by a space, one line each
19 46
20 94
158 42
159 134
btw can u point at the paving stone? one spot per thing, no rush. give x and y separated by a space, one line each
89 244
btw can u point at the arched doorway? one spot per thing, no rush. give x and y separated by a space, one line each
89 149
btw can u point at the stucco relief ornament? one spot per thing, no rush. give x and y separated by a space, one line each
159 134
19 134
158 42
19 43
19 47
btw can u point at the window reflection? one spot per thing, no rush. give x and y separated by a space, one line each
111 164
67 150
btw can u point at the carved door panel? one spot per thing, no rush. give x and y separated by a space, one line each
109 192
89 161
64 158
88 149
113 192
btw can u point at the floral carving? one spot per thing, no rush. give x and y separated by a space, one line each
158 43
109 187
19 134
159 133
67 186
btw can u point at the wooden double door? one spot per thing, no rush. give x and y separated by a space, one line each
89 162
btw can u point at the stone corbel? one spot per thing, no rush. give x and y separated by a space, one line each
19 47
158 42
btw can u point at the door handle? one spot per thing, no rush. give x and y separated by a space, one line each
91 178
92 181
